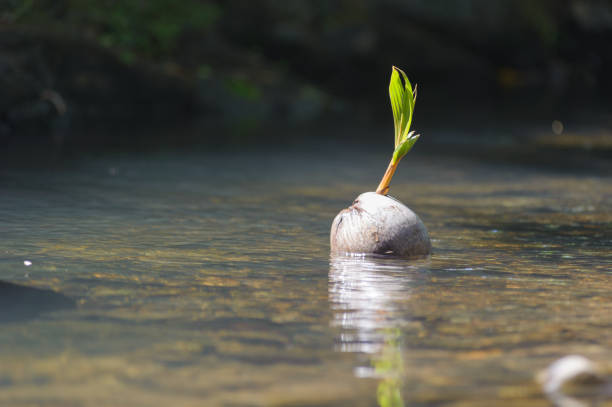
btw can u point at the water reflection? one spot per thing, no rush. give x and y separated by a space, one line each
366 296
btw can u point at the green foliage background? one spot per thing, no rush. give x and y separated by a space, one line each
135 29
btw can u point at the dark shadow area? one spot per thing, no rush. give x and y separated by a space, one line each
20 303
161 74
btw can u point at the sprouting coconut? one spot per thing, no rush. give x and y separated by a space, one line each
376 223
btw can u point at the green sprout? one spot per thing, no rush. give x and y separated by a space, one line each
403 99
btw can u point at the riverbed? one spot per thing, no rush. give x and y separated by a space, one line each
204 279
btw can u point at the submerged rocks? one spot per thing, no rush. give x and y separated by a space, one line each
379 224
20 302
575 381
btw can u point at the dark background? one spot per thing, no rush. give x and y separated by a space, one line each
100 74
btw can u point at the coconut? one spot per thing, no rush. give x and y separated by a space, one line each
379 224
376 223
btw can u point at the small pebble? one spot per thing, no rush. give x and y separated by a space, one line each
568 369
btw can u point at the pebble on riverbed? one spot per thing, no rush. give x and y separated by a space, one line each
573 380
379 224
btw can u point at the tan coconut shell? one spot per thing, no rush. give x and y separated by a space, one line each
379 224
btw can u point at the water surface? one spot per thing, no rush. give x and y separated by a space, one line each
205 279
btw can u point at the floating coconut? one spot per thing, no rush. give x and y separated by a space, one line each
377 223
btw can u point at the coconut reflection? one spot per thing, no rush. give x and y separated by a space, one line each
364 294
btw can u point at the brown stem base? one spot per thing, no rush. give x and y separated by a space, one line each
383 187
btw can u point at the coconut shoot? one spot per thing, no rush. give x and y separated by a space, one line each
403 99
376 223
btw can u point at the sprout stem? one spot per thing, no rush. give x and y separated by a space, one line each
383 187
402 104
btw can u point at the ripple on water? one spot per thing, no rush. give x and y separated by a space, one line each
195 287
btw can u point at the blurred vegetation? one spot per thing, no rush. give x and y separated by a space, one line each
292 62
133 29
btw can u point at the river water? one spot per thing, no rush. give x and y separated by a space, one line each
204 279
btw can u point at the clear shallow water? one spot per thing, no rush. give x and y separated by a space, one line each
205 280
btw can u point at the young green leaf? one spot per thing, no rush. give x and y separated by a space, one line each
408 105
396 94
404 147
402 104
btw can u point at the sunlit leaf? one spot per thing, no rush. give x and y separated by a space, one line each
396 94
405 146
407 106
402 104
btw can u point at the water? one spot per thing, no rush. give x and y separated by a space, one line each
205 280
